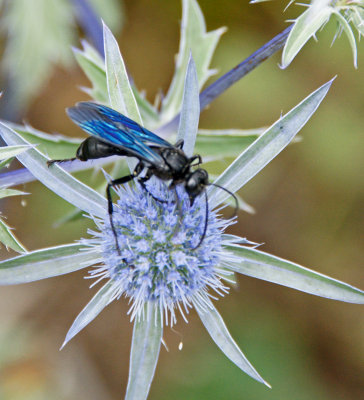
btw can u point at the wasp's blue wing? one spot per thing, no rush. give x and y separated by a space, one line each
122 121
115 128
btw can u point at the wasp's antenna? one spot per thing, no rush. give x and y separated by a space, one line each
231 194
110 211
178 209
206 222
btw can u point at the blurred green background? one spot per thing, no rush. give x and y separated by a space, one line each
308 206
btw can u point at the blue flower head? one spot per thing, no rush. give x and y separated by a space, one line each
159 260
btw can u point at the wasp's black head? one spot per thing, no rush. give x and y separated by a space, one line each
195 183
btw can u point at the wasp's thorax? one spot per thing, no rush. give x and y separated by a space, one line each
176 164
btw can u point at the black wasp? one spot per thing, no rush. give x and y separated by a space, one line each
116 134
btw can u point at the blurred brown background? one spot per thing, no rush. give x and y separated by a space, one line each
308 209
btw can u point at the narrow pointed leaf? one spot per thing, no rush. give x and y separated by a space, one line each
55 145
147 337
233 239
55 178
190 113
5 163
46 263
357 17
120 92
265 266
9 240
267 146
231 278
10 192
349 33
202 44
94 69
217 329
101 299
71 216
305 27
11 151
242 204
119 88
90 52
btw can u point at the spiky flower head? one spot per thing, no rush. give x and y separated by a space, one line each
159 258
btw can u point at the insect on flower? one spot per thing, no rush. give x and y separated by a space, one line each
116 134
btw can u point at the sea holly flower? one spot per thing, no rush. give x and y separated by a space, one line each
157 264
159 269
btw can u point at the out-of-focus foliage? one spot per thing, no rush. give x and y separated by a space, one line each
39 34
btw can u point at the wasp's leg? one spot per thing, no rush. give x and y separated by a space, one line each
120 181
193 158
142 181
179 144
178 208
51 162
116 182
143 185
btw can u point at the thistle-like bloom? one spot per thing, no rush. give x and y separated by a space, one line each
159 269
158 260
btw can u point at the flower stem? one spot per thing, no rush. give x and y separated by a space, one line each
91 23
217 88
